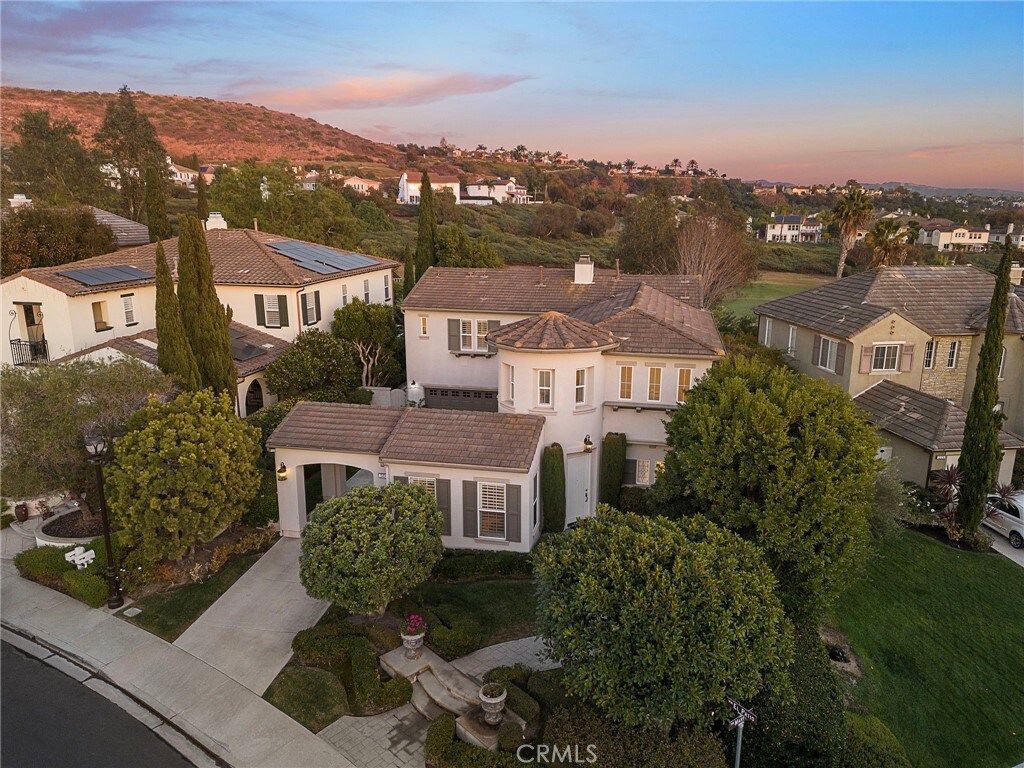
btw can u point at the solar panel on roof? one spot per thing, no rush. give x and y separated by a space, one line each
320 258
241 350
119 273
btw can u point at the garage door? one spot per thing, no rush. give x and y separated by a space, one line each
462 399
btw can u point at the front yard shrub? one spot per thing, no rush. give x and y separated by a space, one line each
263 509
369 693
313 697
870 744
443 750
255 541
383 638
467 565
518 700
546 688
86 586
322 643
5 520
613 467
510 736
635 499
452 632
552 488
45 565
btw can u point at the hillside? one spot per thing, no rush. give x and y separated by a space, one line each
217 131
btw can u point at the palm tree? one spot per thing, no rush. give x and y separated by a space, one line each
850 214
888 243
676 164
628 165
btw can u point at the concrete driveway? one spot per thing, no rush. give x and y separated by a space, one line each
1002 545
247 634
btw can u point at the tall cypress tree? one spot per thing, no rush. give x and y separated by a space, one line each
408 273
202 204
206 319
980 454
156 205
174 353
426 229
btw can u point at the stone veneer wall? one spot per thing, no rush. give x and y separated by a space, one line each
947 383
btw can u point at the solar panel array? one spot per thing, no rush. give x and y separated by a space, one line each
243 350
320 258
119 273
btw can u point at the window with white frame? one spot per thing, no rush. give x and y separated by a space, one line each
827 354
545 387
473 335
625 382
643 472
423 325
428 484
128 301
272 308
491 508
1002 362
366 291
581 386
767 331
508 376
535 501
791 342
885 357
387 288
683 384
929 354
481 335
309 307
654 383
344 295
954 354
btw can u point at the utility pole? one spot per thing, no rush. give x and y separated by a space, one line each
742 716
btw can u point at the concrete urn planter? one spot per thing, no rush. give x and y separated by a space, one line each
413 645
492 702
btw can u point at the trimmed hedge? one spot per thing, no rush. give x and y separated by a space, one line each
510 736
613 468
635 499
467 565
6 519
870 744
443 750
519 701
453 632
547 690
45 565
313 697
552 488
86 586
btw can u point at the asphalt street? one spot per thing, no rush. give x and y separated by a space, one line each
52 721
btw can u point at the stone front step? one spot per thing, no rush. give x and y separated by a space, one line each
423 704
442 696
460 685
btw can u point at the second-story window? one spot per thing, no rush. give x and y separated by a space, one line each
387 288
545 387
954 354
508 377
344 295
128 300
581 386
423 325
1002 362
827 354
366 291
473 335
885 357
683 385
767 332
311 308
272 306
625 382
654 384
929 354
791 343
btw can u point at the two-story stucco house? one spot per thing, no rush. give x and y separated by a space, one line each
920 327
409 184
793 229
499 190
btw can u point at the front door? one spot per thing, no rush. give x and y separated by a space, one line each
577 486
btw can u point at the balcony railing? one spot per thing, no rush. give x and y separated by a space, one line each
29 352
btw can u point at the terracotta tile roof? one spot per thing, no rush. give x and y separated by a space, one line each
552 330
127 233
239 256
416 435
531 290
252 349
944 301
416 177
922 419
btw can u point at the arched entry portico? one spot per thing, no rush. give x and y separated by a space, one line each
253 397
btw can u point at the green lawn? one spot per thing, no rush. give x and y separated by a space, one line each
168 614
313 697
768 286
939 634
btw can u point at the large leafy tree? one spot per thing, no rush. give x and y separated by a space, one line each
48 411
851 213
719 252
647 243
38 236
318 366
888 242
670 620
784 460
981 454
49 163
457 249
426 229
369 330
174 355
156 204
206 319
370 546
129 141
184 471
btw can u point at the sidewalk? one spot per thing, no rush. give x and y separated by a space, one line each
223 715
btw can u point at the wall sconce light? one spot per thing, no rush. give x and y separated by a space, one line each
588 445
382 475
282 473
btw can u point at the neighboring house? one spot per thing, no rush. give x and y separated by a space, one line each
209 173
499 190
182 176
311 181
592 351
482 468
274 283
953 237
793 229
923 432
360 184
127 233
410 181
921 327
252 349
998 235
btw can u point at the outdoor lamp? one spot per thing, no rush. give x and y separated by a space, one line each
588 446
95 446
282 472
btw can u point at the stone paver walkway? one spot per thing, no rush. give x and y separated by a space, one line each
528 651
247 634
12 541
391 740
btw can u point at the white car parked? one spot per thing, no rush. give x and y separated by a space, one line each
1007 517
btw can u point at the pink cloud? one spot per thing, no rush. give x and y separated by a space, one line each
402 89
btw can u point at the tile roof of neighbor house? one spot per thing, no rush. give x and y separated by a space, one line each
415 435
944 301
252 349
416 177
554 331
922 419
127 233
239 256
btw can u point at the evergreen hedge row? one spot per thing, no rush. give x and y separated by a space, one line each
552 488
613 466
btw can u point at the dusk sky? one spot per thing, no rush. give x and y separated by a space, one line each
801 92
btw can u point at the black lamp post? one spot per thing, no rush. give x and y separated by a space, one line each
96 447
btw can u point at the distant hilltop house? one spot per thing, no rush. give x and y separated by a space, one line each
999 235
178 174
182 176
359 184
793 229
954 237
127 233
310 181
499 190
410 181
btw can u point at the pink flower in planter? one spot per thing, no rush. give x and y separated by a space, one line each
415 625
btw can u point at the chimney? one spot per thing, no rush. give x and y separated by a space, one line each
988 227
584 271
1009 228
256 224
216 221
617 273
541 275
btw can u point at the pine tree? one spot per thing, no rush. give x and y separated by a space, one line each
980 454
174 353
409 273
426 229
206 320
156 206
202 205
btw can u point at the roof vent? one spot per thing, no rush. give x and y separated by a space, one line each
584 271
